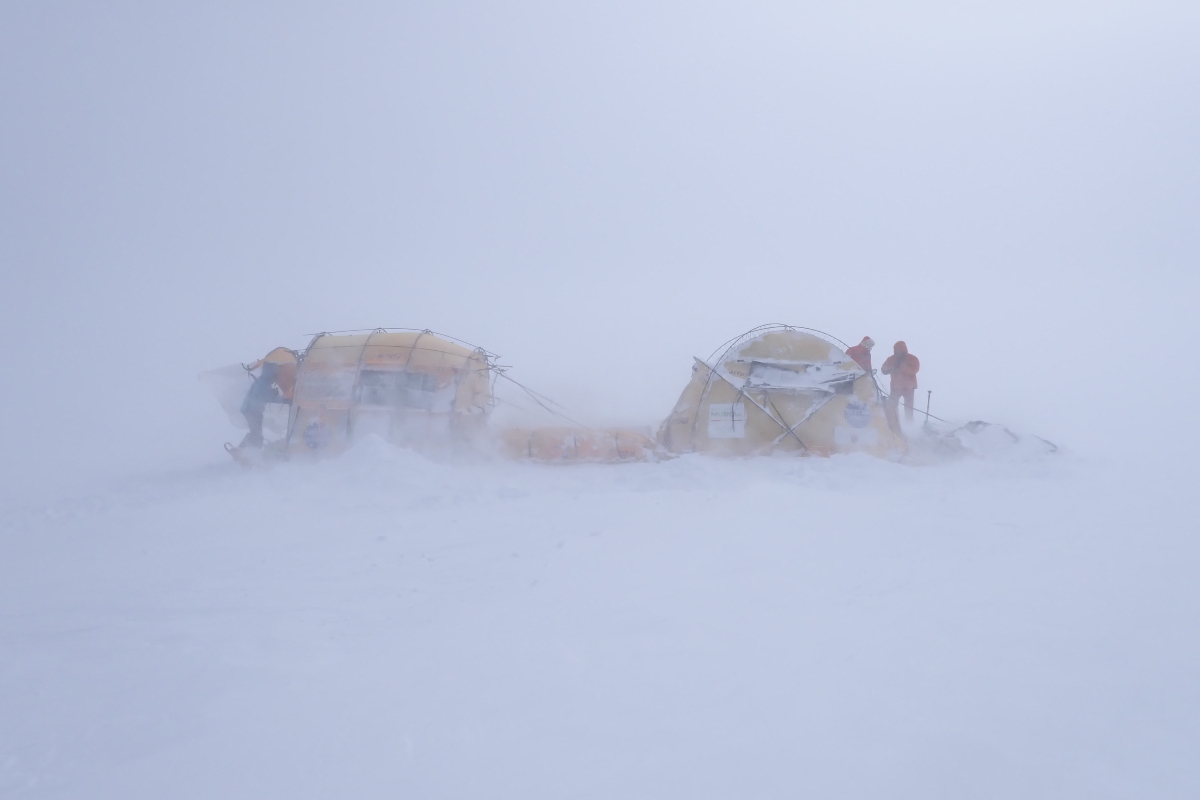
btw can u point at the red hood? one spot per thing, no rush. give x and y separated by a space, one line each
901 349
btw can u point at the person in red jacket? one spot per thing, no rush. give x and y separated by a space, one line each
902 366
861 352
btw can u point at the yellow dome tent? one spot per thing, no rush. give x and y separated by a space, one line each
779 388
411 388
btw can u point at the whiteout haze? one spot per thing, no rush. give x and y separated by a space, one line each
599 194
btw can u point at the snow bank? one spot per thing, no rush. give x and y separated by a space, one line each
383 625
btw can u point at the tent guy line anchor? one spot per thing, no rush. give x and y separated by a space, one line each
884 395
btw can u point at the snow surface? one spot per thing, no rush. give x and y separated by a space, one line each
382 625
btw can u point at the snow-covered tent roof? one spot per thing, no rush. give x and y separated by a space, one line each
779 387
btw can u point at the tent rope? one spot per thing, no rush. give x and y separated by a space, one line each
792 429
885 396
741 392
538 398
815 408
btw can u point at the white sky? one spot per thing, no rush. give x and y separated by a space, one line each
598 192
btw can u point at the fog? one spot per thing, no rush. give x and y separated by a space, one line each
597 195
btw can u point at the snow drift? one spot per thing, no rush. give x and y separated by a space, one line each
385 625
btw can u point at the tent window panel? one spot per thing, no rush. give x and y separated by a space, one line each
326 385
398 389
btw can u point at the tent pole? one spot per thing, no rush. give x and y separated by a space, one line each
741 392
790 430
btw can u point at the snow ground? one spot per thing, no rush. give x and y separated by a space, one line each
386 626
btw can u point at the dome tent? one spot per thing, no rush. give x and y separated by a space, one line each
779 388
408 387
411 388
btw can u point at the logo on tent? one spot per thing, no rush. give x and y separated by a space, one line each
316 435
858 414
727 421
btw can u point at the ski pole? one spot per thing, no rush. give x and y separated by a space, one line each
928 397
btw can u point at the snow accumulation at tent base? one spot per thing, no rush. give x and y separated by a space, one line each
386 624
415 389
779 388
775 389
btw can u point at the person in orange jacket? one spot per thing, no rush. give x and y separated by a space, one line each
861 352
902 366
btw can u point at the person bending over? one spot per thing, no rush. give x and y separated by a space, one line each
861 353
262 391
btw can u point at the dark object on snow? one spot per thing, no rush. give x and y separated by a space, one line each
979 426
976 426
261 392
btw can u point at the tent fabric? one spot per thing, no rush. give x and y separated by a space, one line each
566 444
412 388
779 388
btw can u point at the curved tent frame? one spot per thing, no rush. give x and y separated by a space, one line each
779 387
408 386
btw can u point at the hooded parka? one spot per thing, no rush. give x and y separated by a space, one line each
903 367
